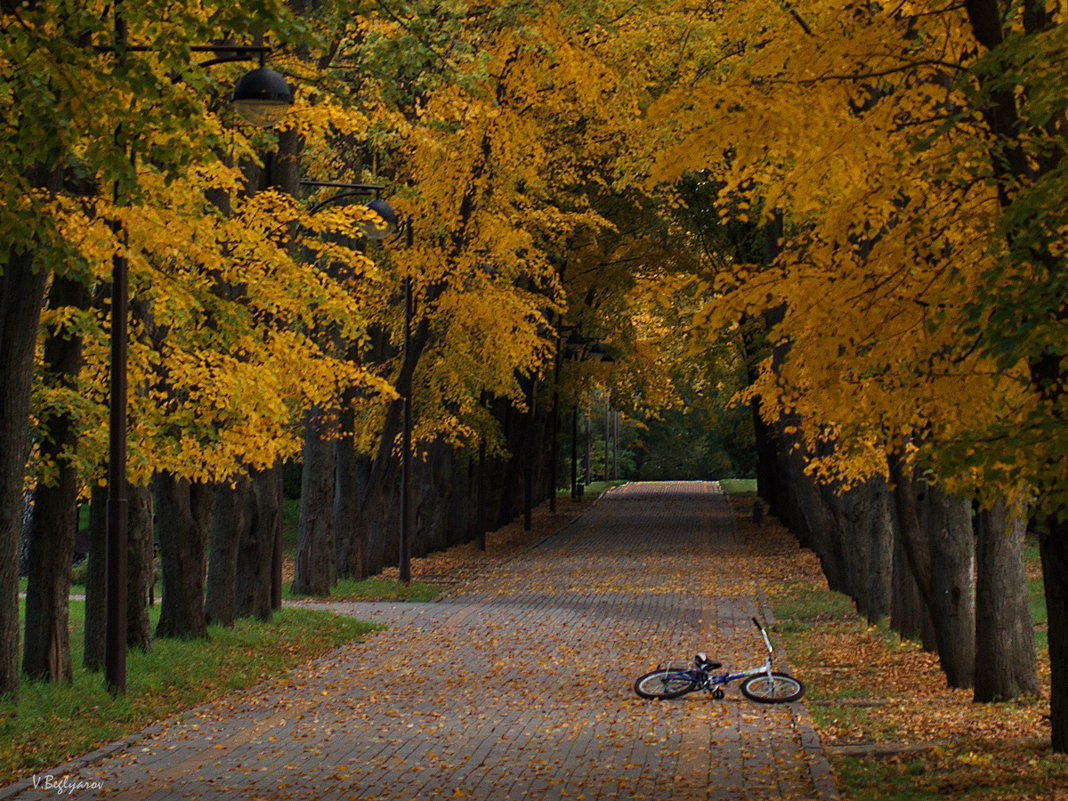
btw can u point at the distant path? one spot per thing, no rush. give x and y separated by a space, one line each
518 686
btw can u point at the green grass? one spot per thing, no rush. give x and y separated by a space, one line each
1004 772
378 589
799 605
596 488
875 698
51 723
739 486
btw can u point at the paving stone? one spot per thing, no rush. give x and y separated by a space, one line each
517 686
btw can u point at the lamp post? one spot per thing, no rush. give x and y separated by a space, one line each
387 226
573 346
260 89
345 190
404 557
391 226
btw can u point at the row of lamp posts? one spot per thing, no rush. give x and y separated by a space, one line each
578 347
261 97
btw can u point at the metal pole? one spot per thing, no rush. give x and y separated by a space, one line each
615 445
115 619
607 436
555 456
530 458
587 468
574 453
404 559
480 512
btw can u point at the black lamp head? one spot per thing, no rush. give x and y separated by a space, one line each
385 226
262 97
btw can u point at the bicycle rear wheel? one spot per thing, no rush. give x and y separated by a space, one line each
664 684
779 689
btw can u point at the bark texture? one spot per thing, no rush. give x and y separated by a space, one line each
314 571
140 566
255 579
229 520
96 580
1004 632
54 518
22 288
184 513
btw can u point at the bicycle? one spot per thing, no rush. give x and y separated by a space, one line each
761 684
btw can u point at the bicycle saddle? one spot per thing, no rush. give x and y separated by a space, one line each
704 662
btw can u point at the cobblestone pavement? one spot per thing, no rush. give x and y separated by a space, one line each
519 685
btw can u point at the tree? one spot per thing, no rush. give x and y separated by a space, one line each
55 510
999 631
861 127
139 109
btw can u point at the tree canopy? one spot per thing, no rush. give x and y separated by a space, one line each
604 167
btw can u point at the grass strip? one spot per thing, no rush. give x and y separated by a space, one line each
892 728
53 723
739 486
377 589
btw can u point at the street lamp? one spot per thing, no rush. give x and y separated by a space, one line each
345 191
263 93
262 97
386 225
389 225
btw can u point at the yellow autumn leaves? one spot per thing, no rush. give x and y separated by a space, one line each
859 125
547 144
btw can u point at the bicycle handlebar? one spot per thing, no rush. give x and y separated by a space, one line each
764 634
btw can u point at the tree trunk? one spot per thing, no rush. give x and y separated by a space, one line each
435 480
1004 631
184 512
254 579
96 580
908 613
813 516
54 519
140 564
314 572
1053 546
951 598
463 503
880 534
380 520
229 521
54 524
936 535
865 538
348 544
22 288
912 567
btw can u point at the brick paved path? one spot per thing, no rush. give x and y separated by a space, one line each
518 686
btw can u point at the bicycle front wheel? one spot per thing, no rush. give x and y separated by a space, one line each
664 684
778 689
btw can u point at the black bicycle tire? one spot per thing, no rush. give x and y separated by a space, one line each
686 685
763 698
